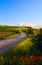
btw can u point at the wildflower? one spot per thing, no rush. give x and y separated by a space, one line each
11 62
21 59
14 57
32 57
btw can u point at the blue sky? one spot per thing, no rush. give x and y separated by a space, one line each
13 12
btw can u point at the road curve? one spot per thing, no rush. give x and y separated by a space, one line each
5 45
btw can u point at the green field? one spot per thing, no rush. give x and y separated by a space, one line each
26 52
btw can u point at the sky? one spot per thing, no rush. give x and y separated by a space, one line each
14 12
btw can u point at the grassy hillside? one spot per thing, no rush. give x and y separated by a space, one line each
11 28
9 31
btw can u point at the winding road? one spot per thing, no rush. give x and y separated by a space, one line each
5 45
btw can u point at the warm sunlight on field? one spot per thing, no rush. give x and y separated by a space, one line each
20 32
6 35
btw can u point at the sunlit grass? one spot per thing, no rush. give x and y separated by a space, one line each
25 45
12 36
21 52
8 35
22 47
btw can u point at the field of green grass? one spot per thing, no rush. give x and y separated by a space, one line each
19 55
8 35
26 52
7 32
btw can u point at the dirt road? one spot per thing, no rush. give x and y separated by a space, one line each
5 45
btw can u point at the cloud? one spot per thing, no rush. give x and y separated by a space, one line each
25 24
30 25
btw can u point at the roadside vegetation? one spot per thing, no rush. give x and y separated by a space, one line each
7 32
8 35
28 52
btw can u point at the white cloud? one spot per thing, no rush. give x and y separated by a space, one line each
25 24
30 25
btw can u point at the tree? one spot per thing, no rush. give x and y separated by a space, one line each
38 41
30 30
